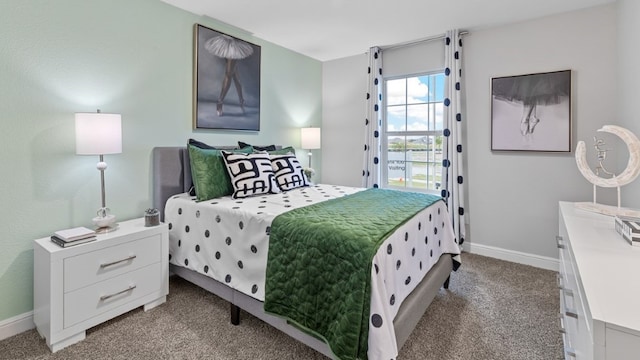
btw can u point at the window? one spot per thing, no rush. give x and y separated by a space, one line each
412 129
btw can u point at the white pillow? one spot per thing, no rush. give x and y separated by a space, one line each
288 172
251 174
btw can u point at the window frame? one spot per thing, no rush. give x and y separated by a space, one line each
385 134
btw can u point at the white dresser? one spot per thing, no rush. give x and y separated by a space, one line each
81 286
599 282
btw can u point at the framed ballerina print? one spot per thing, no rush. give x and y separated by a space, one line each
226 82
531 112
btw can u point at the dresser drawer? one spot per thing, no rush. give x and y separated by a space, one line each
99 265
567 272
567 328
576 304
98 298
572 310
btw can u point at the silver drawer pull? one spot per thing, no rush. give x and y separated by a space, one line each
558 237
102 266
570 352
559 281
568 292
106 297
571 313
562 329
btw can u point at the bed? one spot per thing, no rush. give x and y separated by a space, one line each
194 225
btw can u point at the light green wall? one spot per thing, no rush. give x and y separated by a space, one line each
129 57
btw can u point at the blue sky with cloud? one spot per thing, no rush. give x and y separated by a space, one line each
412 103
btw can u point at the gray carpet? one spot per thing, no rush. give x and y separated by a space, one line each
492 310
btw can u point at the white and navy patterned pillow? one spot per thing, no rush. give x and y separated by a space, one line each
251 174
288 172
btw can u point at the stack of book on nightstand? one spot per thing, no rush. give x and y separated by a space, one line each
75 236
629 228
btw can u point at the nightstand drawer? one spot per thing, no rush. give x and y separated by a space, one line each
98 298
99 265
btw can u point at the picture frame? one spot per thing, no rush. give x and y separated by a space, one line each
531 112
226 81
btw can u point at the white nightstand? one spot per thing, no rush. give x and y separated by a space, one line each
81 286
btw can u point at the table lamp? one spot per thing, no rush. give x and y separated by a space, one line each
100 134
310 140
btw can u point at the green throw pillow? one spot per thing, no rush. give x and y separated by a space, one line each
209 172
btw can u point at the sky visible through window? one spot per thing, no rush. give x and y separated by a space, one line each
415 103
413 132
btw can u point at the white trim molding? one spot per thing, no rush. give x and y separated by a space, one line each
538 261
16 325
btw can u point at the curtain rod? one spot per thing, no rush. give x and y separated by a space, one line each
414 42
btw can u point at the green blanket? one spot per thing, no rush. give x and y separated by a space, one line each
319 263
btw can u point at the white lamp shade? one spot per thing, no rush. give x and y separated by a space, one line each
98 133
310 138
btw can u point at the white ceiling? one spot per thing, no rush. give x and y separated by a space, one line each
331 29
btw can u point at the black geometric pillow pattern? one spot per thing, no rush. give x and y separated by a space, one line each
288 172
251 174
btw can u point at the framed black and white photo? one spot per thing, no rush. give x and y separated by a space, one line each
226 81
531 112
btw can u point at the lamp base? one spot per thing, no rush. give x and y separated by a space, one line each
107 229
105 223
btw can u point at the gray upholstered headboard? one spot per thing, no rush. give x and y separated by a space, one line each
171 173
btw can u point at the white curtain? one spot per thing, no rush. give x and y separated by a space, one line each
371 173
453 192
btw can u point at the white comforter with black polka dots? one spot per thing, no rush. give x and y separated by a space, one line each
228 239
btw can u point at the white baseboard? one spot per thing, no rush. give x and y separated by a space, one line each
16 325
538 261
